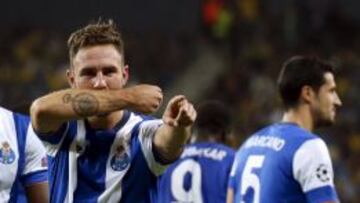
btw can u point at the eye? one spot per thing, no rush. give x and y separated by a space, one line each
88 72
108 71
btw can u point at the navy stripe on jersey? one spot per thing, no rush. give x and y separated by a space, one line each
59 167
21 125
139 173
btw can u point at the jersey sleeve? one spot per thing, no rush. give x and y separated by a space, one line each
312 168
146 135
35 169
52 141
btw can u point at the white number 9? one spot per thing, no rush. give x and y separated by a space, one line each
177 182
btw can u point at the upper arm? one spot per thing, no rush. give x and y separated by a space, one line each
312 168
37 193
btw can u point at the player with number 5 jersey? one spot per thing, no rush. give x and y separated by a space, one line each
285 162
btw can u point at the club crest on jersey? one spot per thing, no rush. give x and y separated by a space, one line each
7 155
120 160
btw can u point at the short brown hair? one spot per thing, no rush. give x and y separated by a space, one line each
98 33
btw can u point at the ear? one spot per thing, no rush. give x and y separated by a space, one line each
307 94
70 77
125 74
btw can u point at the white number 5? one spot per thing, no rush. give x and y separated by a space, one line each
250 179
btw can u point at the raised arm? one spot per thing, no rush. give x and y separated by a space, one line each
178 118
49 112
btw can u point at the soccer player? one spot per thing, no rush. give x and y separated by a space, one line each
286 162
101 151
201 174
23 164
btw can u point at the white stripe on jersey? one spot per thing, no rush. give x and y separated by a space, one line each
73 155
113 178
312 166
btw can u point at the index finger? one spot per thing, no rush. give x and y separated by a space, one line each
177 99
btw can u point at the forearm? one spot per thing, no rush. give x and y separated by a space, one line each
50 111
169 141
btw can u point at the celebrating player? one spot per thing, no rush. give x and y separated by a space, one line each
100 151
286 162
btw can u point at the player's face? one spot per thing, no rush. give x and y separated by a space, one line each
98 67
326 102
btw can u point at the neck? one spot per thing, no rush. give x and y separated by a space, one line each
105 122
301 116
208 138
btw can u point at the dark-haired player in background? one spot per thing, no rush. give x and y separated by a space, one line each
201 174
286 162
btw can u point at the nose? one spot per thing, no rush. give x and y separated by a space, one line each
337 100
99 81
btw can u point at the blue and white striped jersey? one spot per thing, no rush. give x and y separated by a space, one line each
283 163
199 176
22 156
116 165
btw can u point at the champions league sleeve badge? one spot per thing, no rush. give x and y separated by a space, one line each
120 159
323 173
7 155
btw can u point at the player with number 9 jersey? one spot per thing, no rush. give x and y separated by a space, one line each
201 174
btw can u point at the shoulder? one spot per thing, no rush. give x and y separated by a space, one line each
313 147
7 115
312 152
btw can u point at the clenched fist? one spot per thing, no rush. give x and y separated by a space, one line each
144 98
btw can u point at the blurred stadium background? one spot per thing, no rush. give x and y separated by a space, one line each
229 50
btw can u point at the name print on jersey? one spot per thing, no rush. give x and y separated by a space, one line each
271 142
211 153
